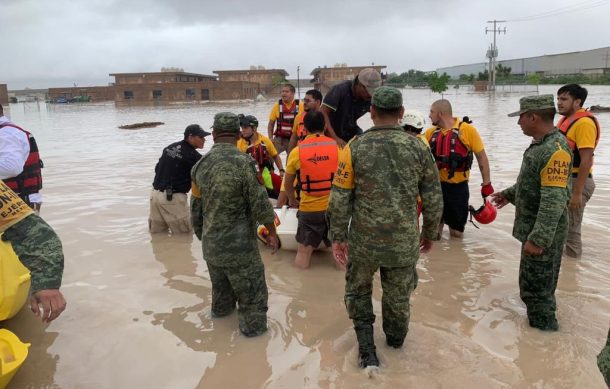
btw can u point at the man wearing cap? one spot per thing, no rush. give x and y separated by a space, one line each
227 204
540 196
283 114
346 102
168 199
582 130
454 143
373 220
259 147
20 164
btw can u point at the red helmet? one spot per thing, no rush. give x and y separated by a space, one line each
485 214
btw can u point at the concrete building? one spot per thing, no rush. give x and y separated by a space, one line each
3 94
593 63
95 93
326 77
178 87
266 78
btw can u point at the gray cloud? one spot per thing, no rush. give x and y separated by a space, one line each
50 43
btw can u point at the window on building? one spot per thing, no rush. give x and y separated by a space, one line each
190 93
128 95
205 94
157 94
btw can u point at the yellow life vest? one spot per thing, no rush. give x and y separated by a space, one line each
14 282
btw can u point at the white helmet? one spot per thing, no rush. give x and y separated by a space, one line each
413 118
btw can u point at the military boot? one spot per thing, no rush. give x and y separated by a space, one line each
366 346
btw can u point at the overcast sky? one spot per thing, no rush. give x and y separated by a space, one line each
62 42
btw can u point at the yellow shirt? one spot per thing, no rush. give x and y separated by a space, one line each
584 134
242 144
298 120
275 111
12 208
470 138
308 202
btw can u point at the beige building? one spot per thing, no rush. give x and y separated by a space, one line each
3 94
178 87
324 78
266 78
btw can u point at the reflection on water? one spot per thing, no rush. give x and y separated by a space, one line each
139 306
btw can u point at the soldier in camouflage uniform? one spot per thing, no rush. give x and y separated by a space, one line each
373 220
540 196
38 248
603 361
227 202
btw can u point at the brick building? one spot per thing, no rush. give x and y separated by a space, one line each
3 94
266 78
324 78
178 87
95 93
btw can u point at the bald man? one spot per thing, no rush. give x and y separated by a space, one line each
453 143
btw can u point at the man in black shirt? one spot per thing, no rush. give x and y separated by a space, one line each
346 102
168 199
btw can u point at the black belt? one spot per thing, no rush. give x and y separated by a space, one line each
574 175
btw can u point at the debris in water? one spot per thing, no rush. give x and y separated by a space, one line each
140 125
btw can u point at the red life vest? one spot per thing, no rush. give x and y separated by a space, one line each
286 119
301 134
261 155
564 125
319 158
450 152
30 179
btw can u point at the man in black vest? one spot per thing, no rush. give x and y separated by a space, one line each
168 199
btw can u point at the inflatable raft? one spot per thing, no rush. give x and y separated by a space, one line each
286 224
14 289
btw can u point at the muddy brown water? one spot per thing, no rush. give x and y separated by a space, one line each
139 306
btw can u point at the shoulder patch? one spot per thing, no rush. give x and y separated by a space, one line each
556 172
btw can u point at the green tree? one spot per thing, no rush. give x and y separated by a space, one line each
438 83
503 72
533 78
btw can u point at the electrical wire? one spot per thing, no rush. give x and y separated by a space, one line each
561 10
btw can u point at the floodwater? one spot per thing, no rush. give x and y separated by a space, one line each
138 310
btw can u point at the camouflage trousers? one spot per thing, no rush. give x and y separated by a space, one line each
574 243
39 249
397 284
244 286
538 277
603 361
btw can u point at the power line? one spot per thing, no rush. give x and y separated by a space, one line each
558 11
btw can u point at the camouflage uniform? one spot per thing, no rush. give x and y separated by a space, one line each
226 205
540 196
603 361
373 207
34 241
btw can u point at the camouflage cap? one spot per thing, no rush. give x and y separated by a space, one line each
534 103
226 122
387 97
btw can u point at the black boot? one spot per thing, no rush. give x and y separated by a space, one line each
366 346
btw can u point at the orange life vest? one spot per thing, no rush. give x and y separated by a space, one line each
450 152
286 119
319 158
564 125
301 134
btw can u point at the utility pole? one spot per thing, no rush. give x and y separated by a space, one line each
492 53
